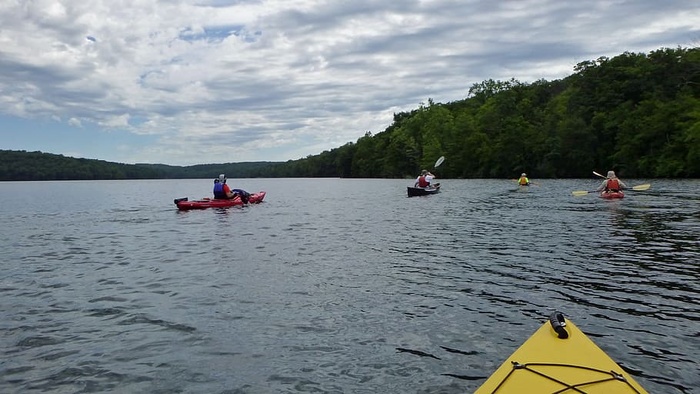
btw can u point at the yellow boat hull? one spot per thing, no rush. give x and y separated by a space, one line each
549 363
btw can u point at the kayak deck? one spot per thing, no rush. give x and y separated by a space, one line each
612 195
548 362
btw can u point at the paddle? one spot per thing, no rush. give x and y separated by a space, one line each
437 164
638 188
600 175
439 161
643 187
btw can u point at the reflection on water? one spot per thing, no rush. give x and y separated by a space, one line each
338 285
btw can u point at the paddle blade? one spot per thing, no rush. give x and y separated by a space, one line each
645 186
439 161
580 192
600 175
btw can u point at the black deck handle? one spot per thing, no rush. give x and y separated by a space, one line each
558 323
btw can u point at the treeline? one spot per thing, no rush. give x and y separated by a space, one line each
38 166
636 113
35 166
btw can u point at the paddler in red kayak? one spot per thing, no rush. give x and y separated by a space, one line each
223 191
611 184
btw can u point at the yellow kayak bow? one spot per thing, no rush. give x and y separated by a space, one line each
559 358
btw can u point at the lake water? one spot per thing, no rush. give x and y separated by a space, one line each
338 286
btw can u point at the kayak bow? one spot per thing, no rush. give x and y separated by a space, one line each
422 191
559 358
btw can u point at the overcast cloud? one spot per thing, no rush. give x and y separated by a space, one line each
185 81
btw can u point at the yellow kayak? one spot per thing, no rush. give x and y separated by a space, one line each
559 358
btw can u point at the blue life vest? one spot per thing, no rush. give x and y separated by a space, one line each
219 190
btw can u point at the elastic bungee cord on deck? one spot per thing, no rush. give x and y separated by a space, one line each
558 323
612 375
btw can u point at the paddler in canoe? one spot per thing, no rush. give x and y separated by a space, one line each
425 179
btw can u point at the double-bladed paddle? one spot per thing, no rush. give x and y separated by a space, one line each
643 187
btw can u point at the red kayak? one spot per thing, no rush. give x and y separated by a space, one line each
185 204
611 195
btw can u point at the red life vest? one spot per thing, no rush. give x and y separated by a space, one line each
422 182
612 185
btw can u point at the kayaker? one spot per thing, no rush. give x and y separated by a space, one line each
424 179
523 181
223 191
611 184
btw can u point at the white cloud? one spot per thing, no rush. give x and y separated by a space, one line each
277 80
119 121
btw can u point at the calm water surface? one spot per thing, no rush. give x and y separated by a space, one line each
337 286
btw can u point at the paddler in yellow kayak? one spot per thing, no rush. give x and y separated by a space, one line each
523 181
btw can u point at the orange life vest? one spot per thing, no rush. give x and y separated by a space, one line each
612 185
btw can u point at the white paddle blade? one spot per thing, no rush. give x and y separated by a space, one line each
645 186
580 192
439 161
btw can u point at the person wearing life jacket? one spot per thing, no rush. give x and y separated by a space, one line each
611 184
423 179
523 181
223 191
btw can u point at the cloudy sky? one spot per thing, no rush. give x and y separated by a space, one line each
185 82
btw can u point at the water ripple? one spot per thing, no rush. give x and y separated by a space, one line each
352 288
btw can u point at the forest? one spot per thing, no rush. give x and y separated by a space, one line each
636 113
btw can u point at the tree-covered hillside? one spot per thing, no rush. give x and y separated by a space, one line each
636 113
36 166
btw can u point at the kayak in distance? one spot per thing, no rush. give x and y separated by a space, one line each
422 191
612 195
559 358
186 204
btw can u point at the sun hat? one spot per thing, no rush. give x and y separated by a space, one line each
611 174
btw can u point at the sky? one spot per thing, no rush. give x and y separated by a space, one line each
184 82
